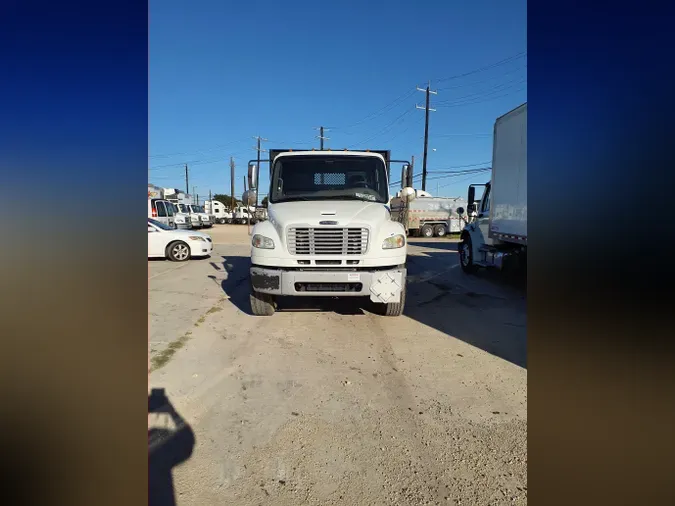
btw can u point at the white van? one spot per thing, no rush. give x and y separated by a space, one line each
162 211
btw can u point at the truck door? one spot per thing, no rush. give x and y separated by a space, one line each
483 219
162 216
169 214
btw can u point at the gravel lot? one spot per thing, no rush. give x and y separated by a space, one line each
325 403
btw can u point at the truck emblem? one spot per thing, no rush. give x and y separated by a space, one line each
328 223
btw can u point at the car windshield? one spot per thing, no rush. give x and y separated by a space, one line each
334 177
159 224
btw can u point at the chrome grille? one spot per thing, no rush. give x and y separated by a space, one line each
327 241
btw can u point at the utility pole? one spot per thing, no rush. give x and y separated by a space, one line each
257 167
187 183
194 189
234 202
321 136
210 205
426 131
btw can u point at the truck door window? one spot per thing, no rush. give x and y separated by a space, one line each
169 209
486 201
161 210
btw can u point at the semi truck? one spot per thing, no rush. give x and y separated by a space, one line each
218 210
429 216
329 231
497 233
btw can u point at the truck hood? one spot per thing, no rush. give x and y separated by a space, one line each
312 213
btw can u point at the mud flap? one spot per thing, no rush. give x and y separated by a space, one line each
386 287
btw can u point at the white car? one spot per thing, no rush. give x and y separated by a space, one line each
176 245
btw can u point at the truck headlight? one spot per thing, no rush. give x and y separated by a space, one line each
393 242
262 242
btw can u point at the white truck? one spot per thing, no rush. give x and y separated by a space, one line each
498 233
218 210
429 216
183 219
241 215
329 231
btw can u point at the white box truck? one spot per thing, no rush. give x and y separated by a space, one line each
329 231
498 233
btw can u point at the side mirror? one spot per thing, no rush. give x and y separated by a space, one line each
252 176
249 197
471 208
408 194
460 210
472 196
405 176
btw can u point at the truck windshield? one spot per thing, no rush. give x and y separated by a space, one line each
334 177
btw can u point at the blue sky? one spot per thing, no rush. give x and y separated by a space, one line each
223 72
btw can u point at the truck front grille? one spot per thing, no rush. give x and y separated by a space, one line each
327 241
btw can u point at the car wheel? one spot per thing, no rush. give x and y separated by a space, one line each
178 251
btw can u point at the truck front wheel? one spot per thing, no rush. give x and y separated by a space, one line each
393 308
465 250
262 304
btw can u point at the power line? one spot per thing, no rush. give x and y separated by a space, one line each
484 93
474 102
483 69
474 83
377 113
216 148
385 129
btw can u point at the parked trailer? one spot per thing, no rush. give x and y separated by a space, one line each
429 216
498 233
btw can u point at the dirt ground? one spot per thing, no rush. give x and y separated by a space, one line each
326 403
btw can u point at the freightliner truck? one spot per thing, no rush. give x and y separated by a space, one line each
498 233
329 231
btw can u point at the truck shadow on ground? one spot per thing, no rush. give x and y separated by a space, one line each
170 443
486 310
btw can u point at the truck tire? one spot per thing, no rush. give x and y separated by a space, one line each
465 250
393 308
262 304
221 221
440 230
427 231
178 251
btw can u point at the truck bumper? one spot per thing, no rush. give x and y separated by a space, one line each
381 286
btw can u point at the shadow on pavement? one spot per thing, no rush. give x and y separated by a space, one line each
486 310
170 443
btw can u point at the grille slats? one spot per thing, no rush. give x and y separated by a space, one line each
327 241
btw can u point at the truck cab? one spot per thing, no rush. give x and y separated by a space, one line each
218 211
329 232
195 219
